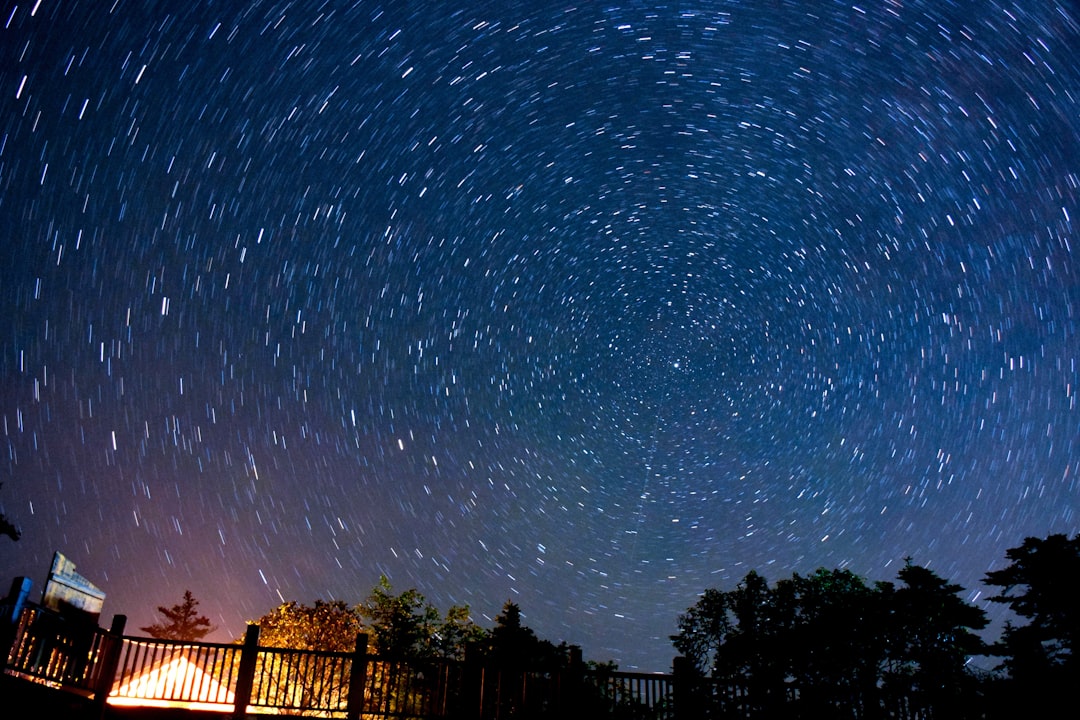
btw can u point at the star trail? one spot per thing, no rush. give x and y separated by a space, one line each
589 307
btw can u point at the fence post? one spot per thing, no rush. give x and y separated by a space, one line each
12 608
357 678
573 682
245 679
689 702
470 700
108 661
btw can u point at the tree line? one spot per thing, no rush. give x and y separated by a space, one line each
831 645
399 625
828 644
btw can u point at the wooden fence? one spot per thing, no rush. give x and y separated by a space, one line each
115 670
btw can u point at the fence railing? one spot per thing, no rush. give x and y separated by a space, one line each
113 669
162 671
122 670
51 649
633 696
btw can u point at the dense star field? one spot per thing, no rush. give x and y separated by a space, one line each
589 307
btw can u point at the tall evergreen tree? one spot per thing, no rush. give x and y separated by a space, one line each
181 621
1040 586
742 637
931 640
513 644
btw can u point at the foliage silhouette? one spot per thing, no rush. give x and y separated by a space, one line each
829 645
407 626
1040 586
181 621
455 633
7 527
401 625
837 641
931 640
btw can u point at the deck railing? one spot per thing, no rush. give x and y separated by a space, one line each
242 678
50 649
115 669
165 671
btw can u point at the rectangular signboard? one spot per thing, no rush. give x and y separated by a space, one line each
67 590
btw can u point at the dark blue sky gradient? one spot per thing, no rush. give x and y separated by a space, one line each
589 307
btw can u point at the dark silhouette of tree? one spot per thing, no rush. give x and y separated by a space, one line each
410 638
7 527
1040 586
456 632
930 640
181 621
406 625
738 637
512 642
703 628
754 656
837 643
522 669
830 645
403 625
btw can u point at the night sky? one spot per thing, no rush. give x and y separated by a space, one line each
589 307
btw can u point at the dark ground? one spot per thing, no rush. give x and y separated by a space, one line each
24 700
